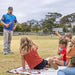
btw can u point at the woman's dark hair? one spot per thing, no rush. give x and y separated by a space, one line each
63 40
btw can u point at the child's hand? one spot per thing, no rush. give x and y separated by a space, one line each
23 70
55 57
69 65
59 52
56 32
55 60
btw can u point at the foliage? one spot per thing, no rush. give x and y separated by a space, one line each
48 23
18 28
26 27
1 27
74 29
35 28
53 16
64 29
68 19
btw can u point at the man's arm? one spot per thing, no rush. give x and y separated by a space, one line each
2 22
7 25
15 24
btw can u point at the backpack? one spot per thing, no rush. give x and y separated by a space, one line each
69 55
72 61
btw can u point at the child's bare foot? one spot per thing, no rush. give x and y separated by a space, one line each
48 66
55 66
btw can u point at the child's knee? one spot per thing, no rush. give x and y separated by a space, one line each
50 59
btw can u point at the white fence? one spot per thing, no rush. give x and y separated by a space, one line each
28 33
35 33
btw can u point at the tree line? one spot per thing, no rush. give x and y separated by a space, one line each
47 24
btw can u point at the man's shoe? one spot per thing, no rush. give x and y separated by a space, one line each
5 53
11 52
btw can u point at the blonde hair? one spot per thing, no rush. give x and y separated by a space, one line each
68 35
71 44
25 45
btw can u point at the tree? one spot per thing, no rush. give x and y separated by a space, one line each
18 28
74 29
64 29
1 27
53 16
47 25
50 21
68 19
30 23
35 28
45 30
26 27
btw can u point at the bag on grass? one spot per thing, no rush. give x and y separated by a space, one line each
69 55
72 61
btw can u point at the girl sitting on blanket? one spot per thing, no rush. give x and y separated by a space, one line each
68 35
29 54
61 60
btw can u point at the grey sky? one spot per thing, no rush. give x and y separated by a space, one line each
36 9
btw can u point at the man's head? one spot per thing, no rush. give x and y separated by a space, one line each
10 10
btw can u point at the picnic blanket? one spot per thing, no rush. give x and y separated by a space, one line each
45 71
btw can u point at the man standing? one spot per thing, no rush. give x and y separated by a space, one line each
9 21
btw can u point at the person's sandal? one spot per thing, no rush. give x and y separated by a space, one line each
55 66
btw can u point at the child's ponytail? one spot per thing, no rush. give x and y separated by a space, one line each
71 44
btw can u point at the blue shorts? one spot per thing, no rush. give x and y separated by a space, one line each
42 64
64 63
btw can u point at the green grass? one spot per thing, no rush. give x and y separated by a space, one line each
47 47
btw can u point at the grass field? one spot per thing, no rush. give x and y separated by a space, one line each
47 48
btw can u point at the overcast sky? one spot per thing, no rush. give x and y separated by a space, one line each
36 9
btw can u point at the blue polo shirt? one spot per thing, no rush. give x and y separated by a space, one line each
7 18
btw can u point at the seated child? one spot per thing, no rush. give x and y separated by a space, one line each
29 54
70 70
70 50
61 60
68 35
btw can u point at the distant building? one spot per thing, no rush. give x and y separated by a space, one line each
69 28
58 29
73 24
